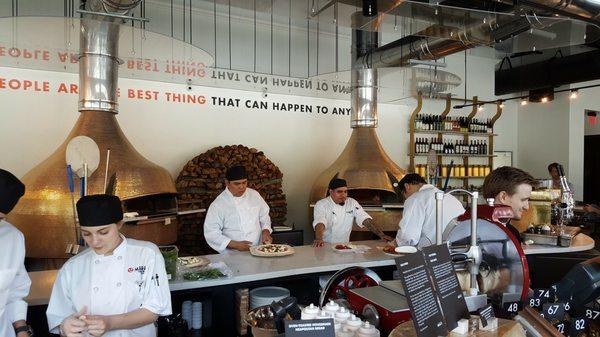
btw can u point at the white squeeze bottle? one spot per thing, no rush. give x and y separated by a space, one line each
309 312
342 315
353 323
331 308
367 330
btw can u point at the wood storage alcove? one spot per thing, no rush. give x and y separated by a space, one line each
202 180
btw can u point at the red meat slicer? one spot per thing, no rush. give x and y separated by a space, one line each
495 259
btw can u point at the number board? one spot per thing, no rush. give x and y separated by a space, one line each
546 293
553 311
562 327
578 326
534 302
512 308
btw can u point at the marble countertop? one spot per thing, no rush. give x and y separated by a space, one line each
305 260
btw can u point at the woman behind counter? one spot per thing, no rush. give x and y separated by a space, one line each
117 287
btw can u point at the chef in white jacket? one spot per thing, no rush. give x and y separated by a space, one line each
417 226
14 280
117 287
335 214
239 217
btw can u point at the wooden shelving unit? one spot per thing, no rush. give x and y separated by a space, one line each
440 136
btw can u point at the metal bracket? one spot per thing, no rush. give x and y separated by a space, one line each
119 16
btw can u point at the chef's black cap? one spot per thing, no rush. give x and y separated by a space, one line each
11 190
99 210
337 183
236 173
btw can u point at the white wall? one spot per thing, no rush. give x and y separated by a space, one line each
544 135
169 134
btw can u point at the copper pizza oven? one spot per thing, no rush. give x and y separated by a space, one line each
368 170
45 213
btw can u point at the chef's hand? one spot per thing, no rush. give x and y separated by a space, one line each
318 243
73 326
97 325
591 209
387 238
266 237
240 245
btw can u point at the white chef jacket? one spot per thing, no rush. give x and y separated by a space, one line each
14 280
236 218
338 219
417 226
133 277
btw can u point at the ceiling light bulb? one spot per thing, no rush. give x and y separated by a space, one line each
523 102
574 94
544 99
480 108
501 105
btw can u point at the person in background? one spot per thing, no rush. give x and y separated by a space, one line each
553 171
512 187
116 287
335 214
509 186
14 280
239 217
418 223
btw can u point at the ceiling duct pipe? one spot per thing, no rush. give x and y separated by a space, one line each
99 54
364 80
586 10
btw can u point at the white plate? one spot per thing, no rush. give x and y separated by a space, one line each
406 249
281 228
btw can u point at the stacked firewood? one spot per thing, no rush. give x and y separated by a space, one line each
203 179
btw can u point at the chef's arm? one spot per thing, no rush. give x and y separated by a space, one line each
373 228
319 231
131 320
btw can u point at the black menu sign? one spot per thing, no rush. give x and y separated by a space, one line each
310 328
486 314
422 300
448 289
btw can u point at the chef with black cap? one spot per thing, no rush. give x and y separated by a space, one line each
117 287
239 217
334 215
14 280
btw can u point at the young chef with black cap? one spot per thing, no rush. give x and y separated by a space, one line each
117 287
14 280
239 217
334 215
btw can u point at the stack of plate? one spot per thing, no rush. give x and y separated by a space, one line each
196 315
267 295
186 312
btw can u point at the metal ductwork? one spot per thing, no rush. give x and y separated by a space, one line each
556 71
586 10
45 213
99 54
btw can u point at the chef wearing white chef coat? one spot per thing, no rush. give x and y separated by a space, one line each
417 226
335 214
14 280
117 287
239 217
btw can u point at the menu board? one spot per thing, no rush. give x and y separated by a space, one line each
422 300
446 284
